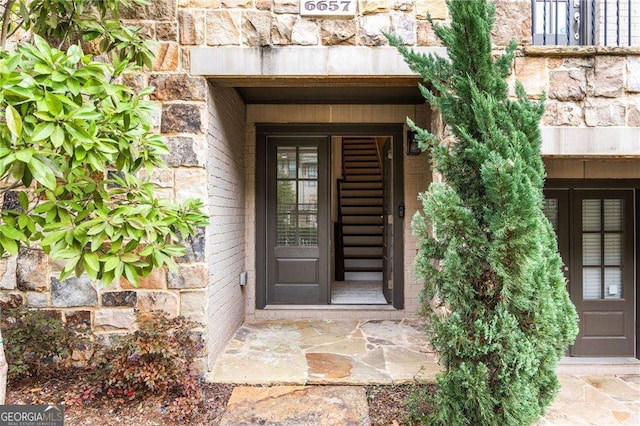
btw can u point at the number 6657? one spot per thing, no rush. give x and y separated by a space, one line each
331 5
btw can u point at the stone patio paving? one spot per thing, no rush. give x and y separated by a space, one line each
595 400
327 352
344 352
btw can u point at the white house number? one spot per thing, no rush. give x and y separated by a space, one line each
328 7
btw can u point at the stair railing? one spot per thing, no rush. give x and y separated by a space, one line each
378 154
338 234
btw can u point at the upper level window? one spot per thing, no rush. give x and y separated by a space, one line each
586 22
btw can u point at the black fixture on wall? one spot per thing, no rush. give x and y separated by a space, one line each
413 148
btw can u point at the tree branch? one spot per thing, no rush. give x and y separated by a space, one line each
5 24
10 187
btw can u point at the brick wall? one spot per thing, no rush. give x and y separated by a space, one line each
226 232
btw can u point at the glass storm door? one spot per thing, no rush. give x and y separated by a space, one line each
297 220
596 238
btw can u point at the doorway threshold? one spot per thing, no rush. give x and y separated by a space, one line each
593 366
363 307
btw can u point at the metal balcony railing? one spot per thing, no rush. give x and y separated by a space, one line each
586 22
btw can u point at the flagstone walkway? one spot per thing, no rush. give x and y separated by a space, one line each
327 352
344 352
598 401
595 400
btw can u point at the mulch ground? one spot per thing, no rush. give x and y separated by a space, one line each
397 404
105 412
388 405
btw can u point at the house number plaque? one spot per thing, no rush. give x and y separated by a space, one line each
331 8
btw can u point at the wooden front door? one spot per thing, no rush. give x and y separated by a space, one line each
297 220
596 231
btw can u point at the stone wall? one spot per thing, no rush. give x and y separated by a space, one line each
278 23
181 117
583 89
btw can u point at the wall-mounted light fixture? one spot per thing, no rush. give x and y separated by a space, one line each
412 143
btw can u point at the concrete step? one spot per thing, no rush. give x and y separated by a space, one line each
579 366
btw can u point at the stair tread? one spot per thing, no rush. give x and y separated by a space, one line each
362 198
363 256
363 269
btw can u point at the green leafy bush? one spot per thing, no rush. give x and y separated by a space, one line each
36 341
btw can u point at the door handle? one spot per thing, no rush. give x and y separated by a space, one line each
401 210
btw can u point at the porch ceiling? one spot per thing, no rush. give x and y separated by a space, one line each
312 75
407 95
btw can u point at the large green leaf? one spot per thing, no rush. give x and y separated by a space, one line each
14 121
43 131
24 155
57 136
12 233
54 105
91 262
42 173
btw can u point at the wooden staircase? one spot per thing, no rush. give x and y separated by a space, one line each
360 193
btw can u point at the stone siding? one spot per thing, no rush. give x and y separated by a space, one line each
31 280
252 23
594 90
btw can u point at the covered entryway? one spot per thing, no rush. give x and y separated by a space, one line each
596 227
329 209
